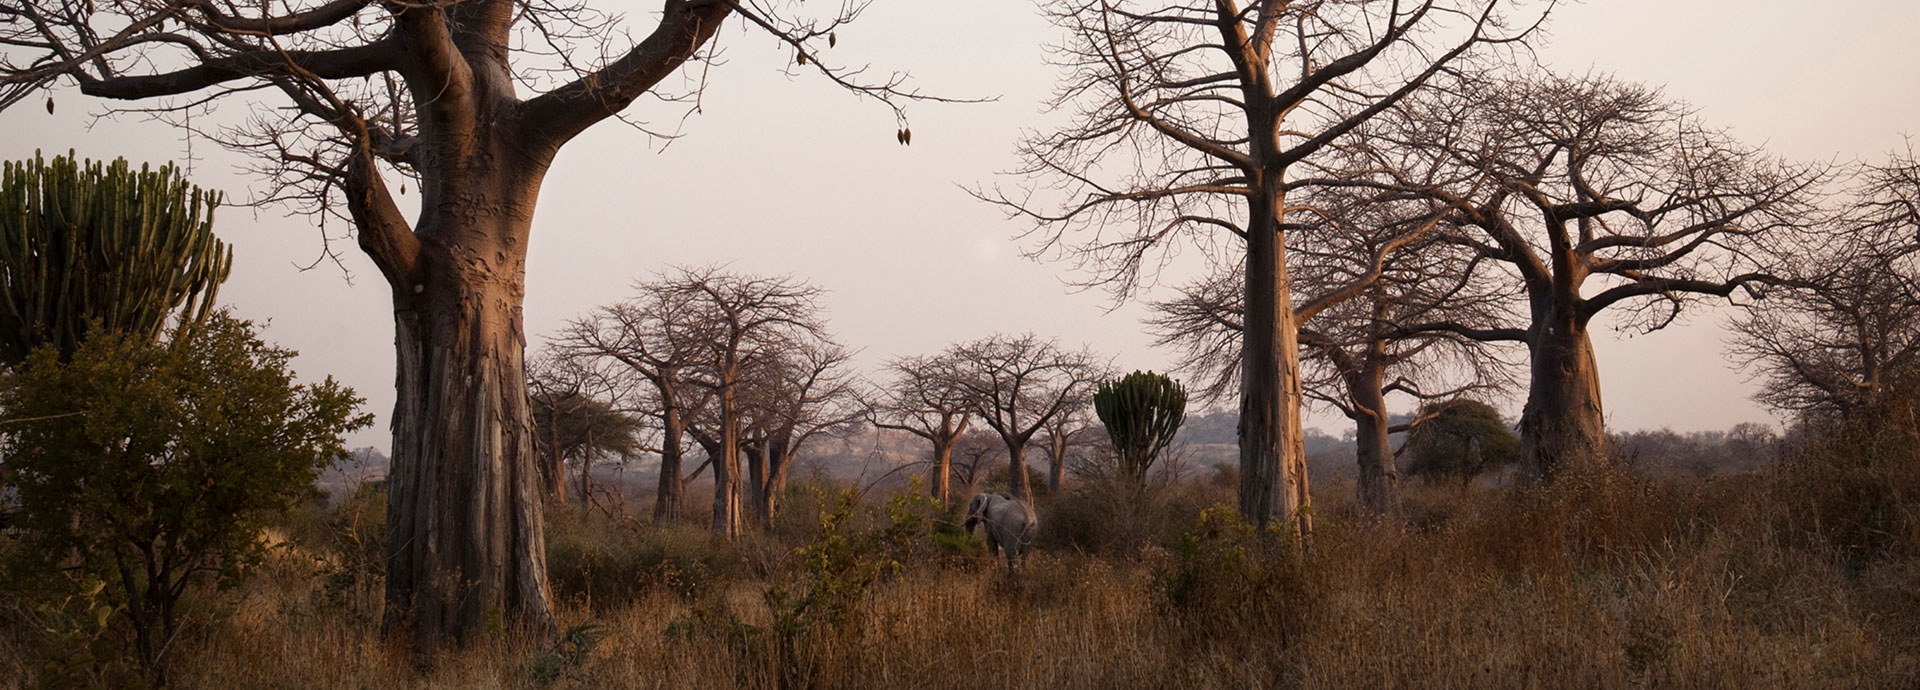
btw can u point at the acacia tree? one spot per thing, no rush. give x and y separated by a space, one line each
1598 195
1187 121
1460 439
662 338
367 90
1831 347
923 399
1015 384
578 416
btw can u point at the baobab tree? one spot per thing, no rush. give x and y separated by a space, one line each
1066 432
663 339
1015 384
345 94
1833 345
922 398
1598 195
1187 121
791 398
753 321
974 455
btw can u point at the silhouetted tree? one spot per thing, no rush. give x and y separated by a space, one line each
1831 346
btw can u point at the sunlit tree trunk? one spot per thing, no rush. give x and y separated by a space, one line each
1273 480
464 508
1379 491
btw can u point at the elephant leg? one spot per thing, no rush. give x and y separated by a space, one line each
993 543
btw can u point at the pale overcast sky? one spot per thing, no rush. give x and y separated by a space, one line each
788 175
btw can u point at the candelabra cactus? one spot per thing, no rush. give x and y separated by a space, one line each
87 243
1141 412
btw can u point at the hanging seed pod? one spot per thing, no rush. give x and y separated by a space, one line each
801 58
832 39
906 136
49 105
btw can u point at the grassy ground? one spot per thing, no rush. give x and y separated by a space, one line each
1802 576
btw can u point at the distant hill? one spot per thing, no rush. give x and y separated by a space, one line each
340 480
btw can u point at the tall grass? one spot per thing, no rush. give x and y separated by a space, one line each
1803 575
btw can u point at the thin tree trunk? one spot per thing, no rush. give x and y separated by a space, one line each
755 453
942 485
554 468
465 542
1273 479
1562 427
726 469
780 453
1056 461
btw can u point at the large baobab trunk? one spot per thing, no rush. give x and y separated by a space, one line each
1562 427
1273 478
464 537
666 503
1379 490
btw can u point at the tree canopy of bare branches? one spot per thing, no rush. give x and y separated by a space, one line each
922 396
1015 384
660 341
1358 350
1598 195
1185 122
752 321
1831 346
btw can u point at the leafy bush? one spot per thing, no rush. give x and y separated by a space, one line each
1227 574
154 466
1459 439
606 564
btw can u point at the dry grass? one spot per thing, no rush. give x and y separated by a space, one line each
1805 576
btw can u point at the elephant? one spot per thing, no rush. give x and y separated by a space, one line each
1010 524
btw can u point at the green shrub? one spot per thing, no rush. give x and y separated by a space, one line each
1227 574
154 467
606 564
